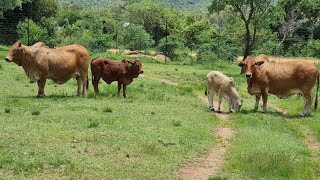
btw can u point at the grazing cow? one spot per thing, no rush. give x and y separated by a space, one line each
282 80
60 64
224 86
124 72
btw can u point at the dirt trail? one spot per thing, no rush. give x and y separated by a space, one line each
209 164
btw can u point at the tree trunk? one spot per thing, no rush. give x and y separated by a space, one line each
247 44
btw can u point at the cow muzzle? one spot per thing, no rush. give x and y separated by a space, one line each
141 72
248 75
7 59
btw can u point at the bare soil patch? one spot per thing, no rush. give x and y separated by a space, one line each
161 80
139 54
210 164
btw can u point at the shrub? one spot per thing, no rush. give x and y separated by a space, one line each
312 49
172 48
135 37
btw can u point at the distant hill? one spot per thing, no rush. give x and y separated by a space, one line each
189 5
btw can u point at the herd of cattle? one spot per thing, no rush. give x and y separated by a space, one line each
61 64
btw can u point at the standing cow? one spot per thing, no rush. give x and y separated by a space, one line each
124 72
218 83
60 64
282 80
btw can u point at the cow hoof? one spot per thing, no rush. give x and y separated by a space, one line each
211 109
219 111
304 114
230 112
41 96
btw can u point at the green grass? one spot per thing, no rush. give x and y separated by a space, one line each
148 135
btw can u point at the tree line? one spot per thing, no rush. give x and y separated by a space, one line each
227 29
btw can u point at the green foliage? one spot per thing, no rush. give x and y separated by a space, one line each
37 33
172 48
312 49
135 37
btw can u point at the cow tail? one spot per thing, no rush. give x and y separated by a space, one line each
205 92
87 85
316 101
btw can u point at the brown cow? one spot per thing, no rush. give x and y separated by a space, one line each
110 71
41 63
282 80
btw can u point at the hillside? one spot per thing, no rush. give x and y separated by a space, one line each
194 5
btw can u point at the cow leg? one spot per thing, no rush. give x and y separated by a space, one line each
210 99
124 91
307 103
84 86
229 103
257 102
95 83
220 101
41 84
119 87
79 83
264 99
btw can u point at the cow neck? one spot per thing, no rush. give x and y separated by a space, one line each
254 77
26 60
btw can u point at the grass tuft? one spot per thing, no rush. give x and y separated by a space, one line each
35 113
107 110
7 110
93 125
177 123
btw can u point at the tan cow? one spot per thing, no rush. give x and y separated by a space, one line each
282 80
60 64
218 83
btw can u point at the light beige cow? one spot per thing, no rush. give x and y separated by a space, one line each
218 83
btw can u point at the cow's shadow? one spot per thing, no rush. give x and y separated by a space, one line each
276 114
54 96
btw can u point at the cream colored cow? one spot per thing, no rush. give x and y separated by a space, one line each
218 83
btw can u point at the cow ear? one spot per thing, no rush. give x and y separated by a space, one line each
259 63
129 65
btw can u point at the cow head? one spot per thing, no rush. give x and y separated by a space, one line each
16 53
237 104
135 67
249 66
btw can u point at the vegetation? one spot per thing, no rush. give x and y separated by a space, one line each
159 127
224 31
149 134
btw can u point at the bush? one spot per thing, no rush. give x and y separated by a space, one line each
135 37
312 49
173 48
37 33
269 47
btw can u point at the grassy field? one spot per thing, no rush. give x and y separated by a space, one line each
150 134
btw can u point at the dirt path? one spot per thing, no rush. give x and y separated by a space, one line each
209 164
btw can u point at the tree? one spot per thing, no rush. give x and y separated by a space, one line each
251 12
6 5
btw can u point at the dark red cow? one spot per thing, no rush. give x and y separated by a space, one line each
124 72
